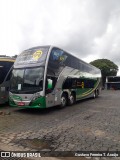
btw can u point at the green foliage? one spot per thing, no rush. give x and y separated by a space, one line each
107 67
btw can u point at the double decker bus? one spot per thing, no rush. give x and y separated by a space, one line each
6 64
47 76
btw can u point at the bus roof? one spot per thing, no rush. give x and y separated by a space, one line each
49 47
7 59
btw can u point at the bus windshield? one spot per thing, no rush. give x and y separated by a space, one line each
27 80
4 69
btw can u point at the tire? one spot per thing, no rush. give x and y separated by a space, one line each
97 93
94 95
71 100
63 100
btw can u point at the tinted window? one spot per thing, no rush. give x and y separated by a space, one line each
89 83
72 62
4 69
57 60
114 79
58 56
70 83
9 75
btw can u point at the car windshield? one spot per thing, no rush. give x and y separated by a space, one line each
27 80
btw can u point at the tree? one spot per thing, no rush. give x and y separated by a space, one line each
107 67
15 56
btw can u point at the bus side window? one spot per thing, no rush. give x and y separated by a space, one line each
69 83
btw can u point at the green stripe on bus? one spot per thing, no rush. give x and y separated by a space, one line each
81 91
86 91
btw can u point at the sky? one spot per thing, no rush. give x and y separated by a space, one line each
89 29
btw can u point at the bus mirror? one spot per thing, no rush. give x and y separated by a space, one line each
50 84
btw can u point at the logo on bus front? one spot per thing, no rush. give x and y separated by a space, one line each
37 55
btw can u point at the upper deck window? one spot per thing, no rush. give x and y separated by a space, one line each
58 56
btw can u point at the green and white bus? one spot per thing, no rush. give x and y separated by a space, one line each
48 76
6 64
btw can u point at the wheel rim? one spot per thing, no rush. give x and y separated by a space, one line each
94 95
63 101
71 99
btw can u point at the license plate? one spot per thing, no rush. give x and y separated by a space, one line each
21 103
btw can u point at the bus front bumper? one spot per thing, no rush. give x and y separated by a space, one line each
37 103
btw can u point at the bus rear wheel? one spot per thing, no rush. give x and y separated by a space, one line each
63 100
71 100
96 94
